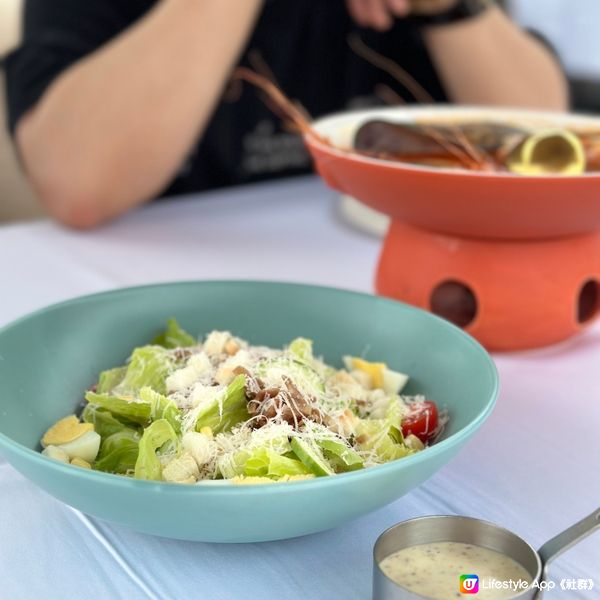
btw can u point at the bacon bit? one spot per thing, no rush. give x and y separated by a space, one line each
304 405
241 371
287 403
253 384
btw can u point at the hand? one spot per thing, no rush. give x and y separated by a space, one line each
380 14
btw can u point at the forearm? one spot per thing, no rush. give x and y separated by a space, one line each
489 60
112 131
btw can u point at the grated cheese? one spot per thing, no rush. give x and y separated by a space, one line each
340 398
198 367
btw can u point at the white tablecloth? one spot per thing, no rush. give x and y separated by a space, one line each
534 468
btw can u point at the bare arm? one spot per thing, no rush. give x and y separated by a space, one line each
483 60
112 130
489 60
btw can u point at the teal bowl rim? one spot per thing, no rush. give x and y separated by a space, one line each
251 489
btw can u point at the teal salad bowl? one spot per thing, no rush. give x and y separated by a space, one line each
48 359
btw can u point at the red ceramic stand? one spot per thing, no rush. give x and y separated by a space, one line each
514 295
513 259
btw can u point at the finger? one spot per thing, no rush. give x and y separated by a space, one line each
354 9
380 17
399 8
359 11
370 13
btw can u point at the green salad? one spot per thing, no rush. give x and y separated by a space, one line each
223 411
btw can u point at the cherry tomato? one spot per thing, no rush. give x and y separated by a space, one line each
421 421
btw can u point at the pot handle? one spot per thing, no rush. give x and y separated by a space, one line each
565 540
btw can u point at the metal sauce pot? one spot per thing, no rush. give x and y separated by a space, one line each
467 530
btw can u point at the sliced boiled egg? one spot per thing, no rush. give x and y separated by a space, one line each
56 453
381 377
66 430
84 447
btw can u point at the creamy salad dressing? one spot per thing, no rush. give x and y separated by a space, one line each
433 570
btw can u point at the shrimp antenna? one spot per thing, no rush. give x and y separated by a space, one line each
389 66
296 115
463 149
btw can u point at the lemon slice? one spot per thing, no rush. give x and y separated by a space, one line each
547 152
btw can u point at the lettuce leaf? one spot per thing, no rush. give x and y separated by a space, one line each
280 465
127 407
104 422
162 407
255 464
301 348
378 435
312 457
393 417
264 462
174 336
342 457
302 351
119 452
227 410
110 379
299 371
159 435
149 366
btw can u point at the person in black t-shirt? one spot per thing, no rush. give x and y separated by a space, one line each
115 102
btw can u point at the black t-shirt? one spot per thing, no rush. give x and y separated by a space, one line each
304 43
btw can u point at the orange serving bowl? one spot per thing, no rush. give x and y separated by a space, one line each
526 248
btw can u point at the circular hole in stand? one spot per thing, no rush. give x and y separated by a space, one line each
455 302
588 301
